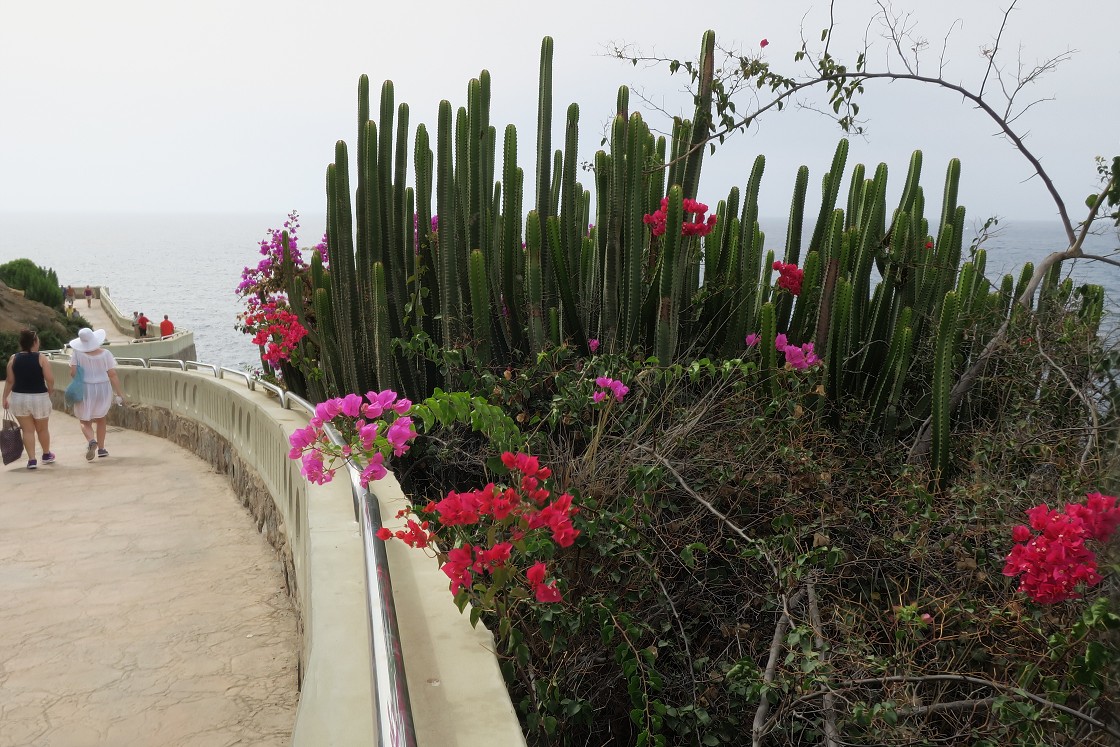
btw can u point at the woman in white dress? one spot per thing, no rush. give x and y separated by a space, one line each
100 377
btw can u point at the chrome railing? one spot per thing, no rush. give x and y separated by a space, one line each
394 710
395 726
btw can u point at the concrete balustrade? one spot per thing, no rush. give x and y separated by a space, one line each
456 689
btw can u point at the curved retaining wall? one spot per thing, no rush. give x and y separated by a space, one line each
456 688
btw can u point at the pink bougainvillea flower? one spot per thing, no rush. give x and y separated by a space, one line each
328 409
752 339
598 396
375 470
764 43
351 405
593 345
367 435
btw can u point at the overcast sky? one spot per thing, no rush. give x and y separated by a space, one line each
235 105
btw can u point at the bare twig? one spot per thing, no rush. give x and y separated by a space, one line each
991 55
972 680
831 732
952 705
716 512
758 732
1092 439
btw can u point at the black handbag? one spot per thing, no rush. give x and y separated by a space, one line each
11 439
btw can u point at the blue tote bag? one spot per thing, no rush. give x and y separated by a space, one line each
76 391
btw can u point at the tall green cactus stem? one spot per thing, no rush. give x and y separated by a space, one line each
381 339
805 312
669 278
340 247
571 198
912 187
634 230
510 243
480 306
793 241
702 119
855 194
445 206
838 335
768 364
944 348
566 280
544 142
829 192
538 339
897 360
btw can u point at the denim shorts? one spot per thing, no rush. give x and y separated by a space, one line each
37 406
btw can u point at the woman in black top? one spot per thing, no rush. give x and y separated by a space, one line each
27 394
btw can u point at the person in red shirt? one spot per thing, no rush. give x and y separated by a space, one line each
142 323
166 327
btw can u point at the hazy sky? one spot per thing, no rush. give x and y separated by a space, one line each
235 105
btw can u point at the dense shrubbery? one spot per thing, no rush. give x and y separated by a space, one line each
708 503
37 283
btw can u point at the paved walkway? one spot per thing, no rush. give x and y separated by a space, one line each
138 604
98 319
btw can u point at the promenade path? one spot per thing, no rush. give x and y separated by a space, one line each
138 604
98 319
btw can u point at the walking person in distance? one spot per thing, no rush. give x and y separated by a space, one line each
100 385
27 394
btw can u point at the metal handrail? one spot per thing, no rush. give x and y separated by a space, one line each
395 726
281 394
310 408
191 365
142 362
181 365
223 370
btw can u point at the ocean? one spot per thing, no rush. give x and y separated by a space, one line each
187 266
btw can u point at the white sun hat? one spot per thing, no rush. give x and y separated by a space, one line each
88 340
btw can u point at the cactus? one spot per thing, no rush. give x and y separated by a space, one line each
476 284
945 347
769 353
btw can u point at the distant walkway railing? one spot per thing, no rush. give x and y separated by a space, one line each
394 724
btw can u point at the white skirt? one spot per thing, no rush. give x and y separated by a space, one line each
98 399
37 406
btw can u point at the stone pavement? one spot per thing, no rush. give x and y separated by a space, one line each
98 319
138 605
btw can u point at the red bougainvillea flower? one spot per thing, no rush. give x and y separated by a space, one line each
694 226
764 43
789 277
1053 563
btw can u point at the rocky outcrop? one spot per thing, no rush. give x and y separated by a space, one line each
17 312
